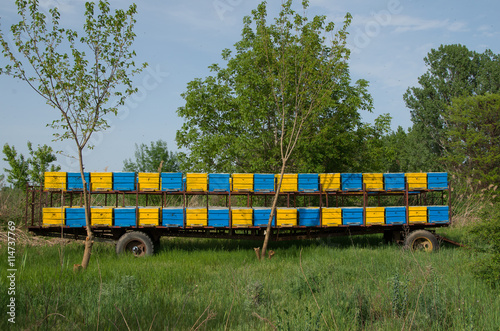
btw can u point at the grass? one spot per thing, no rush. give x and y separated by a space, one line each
197 284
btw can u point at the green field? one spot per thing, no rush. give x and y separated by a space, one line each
205 284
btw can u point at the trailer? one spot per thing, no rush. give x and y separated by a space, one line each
136 210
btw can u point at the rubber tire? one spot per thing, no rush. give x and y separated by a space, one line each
422 240
127 241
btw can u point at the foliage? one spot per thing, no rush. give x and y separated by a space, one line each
473 132
285 79
150 159
31 169
485 236
453 71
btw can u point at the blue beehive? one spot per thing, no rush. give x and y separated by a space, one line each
308 182
394 182
124 181
437 180
172 217
261 216
438 214
395 215
218 182
218 217
352 216
308 216
352 182
171 181
75 181
125 216
75 217
263 183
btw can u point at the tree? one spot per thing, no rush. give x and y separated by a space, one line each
232 119
32 169
84 77
453 71
152 158
473 131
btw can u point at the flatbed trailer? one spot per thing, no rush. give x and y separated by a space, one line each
141 240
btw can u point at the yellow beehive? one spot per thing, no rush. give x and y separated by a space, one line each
290 182
417 215
149 216
101 181
416 181
196 217
374 182
149 181
196 182
329 182
53 216
242 182
331 216
375 215
101 216
55 181
286 217
241 217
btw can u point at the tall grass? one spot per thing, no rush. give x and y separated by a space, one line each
335 284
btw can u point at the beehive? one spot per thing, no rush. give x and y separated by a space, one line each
101 216
394 182
416 181
263 183
373 182
352 182
375 215
438 214
171 181
218 182
437 180
53 216
173 217
261 216
241 217
196 182
101 181
55 181
331 216
149 181
75 183
308 182
242 182
149 216
395 215
125 216
308 216
289 182
286 217
329 182
196 217
218 217
352 216
124 181
417 214
75 217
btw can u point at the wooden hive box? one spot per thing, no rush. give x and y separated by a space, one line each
417 214
261 216
330 182
173 217
196 217
308 216
308 182
218 217
331 216
101 216
242 182
373 182
171 181
416 181
196 182
55 181
241 217
286 217
53 216
101 181
149 181
149 216
289 182
375 215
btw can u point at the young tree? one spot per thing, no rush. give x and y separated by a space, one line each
149 159
84 76
31 169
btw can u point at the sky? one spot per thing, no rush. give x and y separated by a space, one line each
180 39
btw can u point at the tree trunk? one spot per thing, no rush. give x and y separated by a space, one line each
89 241
273 208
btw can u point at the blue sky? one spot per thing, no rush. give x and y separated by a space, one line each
180 39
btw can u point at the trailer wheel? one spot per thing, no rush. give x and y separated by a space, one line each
421 240
135 242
